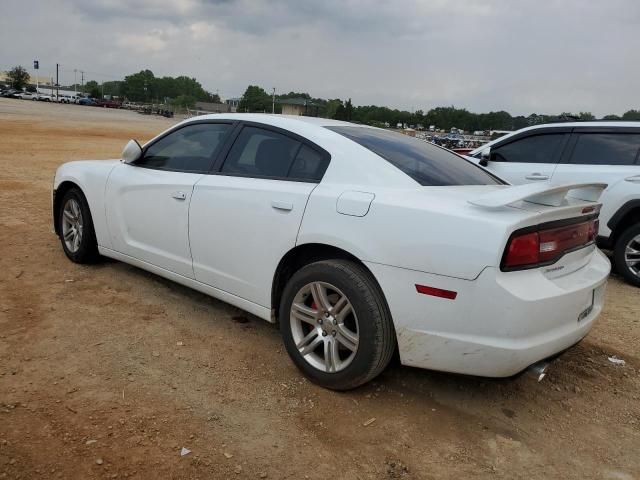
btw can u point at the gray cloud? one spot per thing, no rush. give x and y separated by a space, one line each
516 55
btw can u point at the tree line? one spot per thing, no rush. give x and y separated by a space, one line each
183 91
256 99
143 86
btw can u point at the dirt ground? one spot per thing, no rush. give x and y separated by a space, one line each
108 372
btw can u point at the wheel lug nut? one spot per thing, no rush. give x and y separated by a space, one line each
324 333
333 332
320 321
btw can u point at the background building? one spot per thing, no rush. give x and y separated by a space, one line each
298 106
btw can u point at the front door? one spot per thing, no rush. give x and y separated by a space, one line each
147 203
527 160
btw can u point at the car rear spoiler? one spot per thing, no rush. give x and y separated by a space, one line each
542 194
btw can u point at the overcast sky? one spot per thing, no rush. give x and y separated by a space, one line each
523 56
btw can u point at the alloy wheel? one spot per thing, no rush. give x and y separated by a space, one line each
72 225
324 327
632 255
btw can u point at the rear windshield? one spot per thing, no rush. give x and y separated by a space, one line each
426 163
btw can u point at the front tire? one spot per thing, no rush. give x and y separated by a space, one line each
75 228
336 325
626 255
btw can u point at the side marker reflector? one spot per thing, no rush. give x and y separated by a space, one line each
436 292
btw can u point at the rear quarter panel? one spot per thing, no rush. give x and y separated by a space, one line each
429 229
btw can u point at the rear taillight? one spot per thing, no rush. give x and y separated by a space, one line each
529 248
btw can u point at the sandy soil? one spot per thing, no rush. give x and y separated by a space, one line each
107 371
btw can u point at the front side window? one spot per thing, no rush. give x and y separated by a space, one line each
261 153
427 164
537 149
189 149
606 149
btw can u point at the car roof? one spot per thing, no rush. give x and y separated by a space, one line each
546 126
351 162
274 119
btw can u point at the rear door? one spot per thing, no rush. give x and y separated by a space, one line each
245 217
600 155
528 159
603 155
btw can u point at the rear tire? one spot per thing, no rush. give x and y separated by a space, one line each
75 228
336 325
626 260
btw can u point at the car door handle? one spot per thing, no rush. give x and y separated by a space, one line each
278 205
537 176
179 195
634 179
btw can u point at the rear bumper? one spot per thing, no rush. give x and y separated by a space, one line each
499 323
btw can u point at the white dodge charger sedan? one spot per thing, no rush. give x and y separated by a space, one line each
358 241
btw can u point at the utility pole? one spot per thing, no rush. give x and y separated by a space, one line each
36 67
75 83
57 81
273 101
82 80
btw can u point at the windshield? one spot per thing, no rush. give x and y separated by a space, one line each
426 163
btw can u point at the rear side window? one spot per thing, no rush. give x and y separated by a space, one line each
606 149
262 153
537 149
308 165
427 164
188 149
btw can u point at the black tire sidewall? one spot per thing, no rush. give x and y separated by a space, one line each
88 247
367 312
619 255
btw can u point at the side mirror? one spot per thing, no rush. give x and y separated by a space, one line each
485 156
132 152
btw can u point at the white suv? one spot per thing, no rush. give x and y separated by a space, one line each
607 152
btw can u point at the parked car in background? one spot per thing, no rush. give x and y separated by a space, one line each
607 152
64 98
14 94
103 102
359 241
26 96
86 101
10 93
44 97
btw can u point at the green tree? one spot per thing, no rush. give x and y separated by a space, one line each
631 115
341 112
329 108
255 99
112 88
18 77
92 89
184 101
140 87
348 110
586 116
611 117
